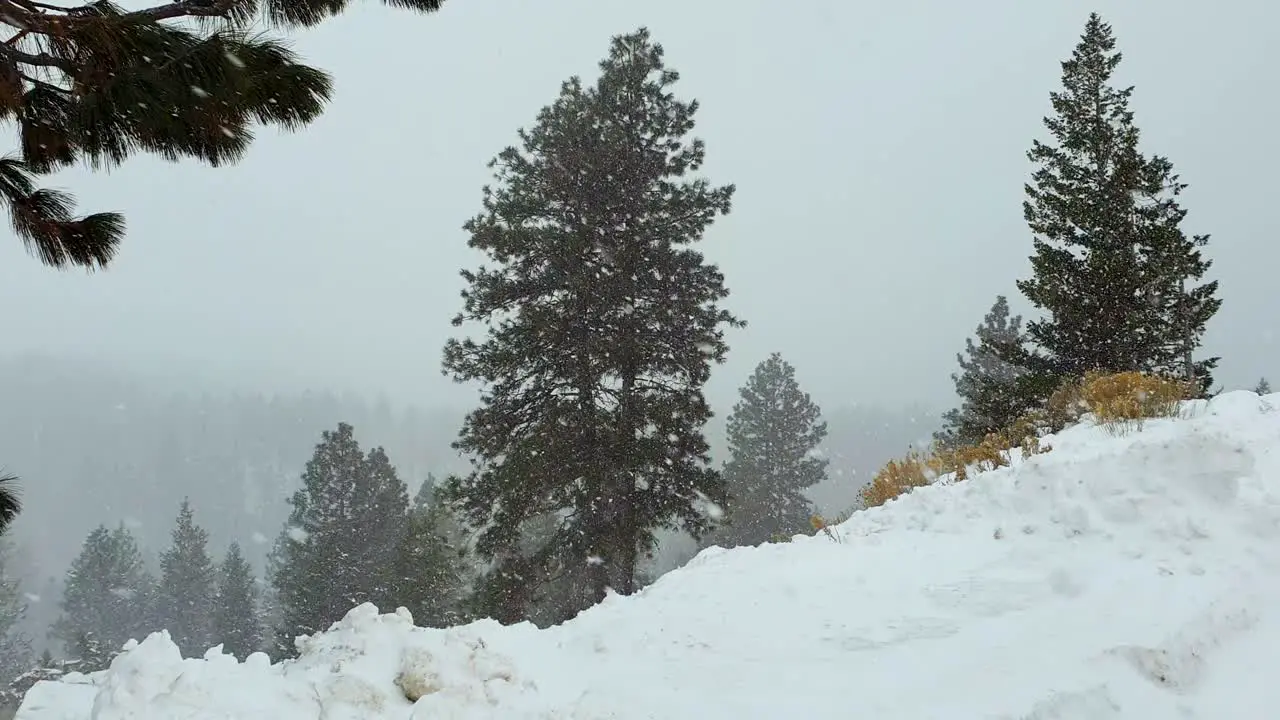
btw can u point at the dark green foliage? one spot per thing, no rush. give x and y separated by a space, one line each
988 386
107 597
603 322
98 83
10 503
532 580
774 432
1112 270
236 620
432 564
339 545
184 597
1263 387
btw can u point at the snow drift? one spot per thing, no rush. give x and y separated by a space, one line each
1114 577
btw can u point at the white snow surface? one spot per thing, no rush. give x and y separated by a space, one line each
1115 577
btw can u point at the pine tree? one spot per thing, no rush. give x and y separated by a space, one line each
989 387
603 322
1112 270
15 648
530 580
774 432
184 597
1263 387
431 566
339 545
10 503
236 622
98 83
107 595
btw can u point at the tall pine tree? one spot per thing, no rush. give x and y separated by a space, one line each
603 322
1113 272
774 433
184 597
236 618
339 545
989 387
108 594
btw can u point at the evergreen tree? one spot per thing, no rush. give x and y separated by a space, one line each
339 545
106 600
236 622
431 564
97 83
15 648
184 597
530 580
603 322
1112 269
1263 387
774 431
10 503
988 386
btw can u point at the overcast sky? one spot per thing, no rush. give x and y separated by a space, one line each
878 149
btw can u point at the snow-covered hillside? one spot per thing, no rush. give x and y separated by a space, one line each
1114 577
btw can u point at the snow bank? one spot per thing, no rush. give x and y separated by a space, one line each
1130 577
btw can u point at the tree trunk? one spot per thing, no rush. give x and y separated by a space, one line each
625 530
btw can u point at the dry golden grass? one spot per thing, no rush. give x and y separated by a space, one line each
917 470
1118 401
1122 401
819 523
897 477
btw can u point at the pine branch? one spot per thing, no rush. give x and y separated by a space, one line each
44 221
37 59
10 504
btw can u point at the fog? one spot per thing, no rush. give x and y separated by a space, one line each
879 154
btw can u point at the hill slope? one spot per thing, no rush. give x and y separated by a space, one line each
1114 577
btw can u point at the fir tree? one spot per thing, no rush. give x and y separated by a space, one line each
236 622
184 597
1113 272
603 322
988 386
774 431
1263 387
339 545
97 83
107 594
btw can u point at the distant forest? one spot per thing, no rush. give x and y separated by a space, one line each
95 446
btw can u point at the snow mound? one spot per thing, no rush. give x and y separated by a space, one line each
1114 577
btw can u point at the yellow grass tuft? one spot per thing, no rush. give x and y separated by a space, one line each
1122 401
897 477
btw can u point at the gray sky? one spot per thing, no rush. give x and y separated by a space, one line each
878 148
